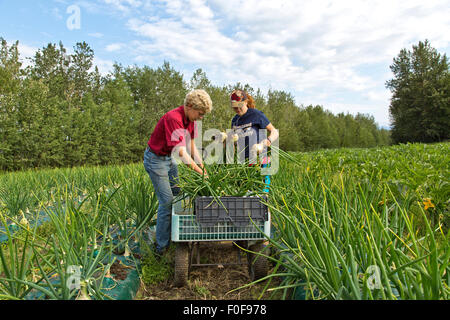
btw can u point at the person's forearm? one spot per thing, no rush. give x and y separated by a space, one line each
186 158
196 155
273 135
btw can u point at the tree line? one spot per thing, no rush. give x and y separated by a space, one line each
59 111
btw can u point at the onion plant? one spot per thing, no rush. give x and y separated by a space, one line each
15 198
82 210
80 239
347 223
15 263
74 244
223 180
133 208
335 235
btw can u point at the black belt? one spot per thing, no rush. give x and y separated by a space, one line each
158 154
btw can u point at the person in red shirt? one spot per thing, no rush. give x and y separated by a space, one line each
173 138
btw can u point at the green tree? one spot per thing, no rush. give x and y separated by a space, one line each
61 112
420 104
281 111
199 80
10 82
154 91
117 134
366 130
322 133
79 70
51 65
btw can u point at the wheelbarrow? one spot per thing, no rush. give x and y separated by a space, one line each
242 220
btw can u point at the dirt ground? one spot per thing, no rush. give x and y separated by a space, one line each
213 282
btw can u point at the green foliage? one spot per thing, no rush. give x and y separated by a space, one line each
157 270
336 214
61 112
420 105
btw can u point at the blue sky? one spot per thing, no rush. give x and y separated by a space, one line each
332 53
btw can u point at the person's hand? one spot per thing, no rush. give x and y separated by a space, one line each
258 147
267 142
203 172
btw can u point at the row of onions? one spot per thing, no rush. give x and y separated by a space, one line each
347 224
91 215
340 234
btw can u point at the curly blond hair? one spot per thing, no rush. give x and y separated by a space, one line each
199 99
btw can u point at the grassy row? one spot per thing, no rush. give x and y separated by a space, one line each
353 224
92 214
333 238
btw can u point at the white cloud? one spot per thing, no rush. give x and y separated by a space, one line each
124 6
96 35
114 47
25 53
298 46
334 53
104 66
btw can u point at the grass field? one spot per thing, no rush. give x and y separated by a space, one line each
348 224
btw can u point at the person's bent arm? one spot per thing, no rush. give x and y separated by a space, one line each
272 136
195 154
186 158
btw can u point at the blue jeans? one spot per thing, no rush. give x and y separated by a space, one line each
163 172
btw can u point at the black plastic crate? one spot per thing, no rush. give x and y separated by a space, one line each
237 210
